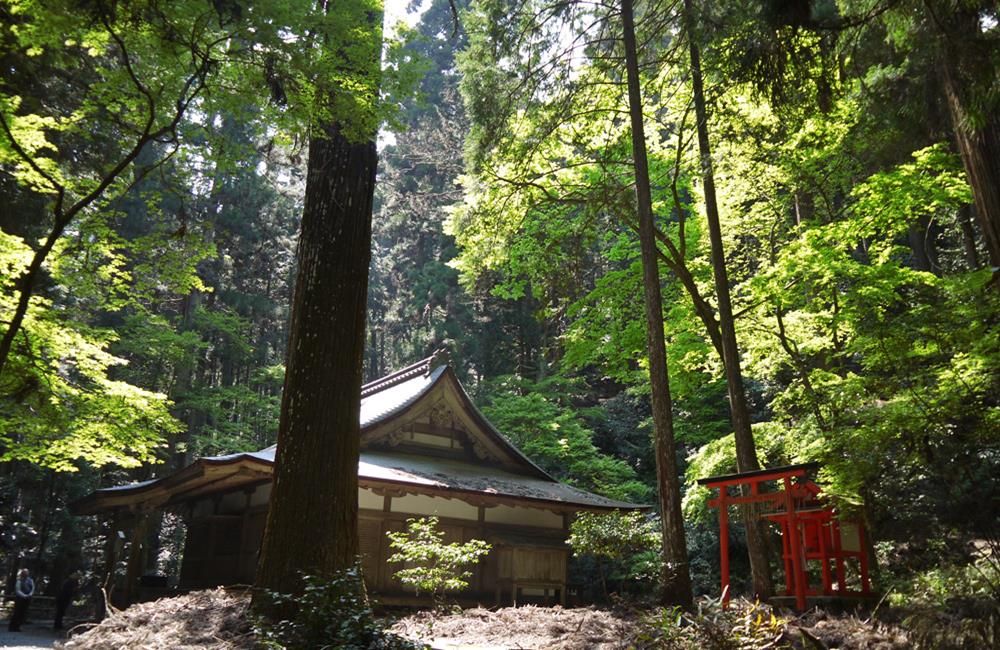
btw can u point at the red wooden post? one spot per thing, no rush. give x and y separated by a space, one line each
724 543
796 547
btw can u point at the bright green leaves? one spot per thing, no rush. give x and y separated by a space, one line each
112 116
62 404
614 535
537 420
429 564
330 66
26 138
887 203
859 350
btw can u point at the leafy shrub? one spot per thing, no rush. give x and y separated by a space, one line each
978 579
431 565
741 626
626 544
331 612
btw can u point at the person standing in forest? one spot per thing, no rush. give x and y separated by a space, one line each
63 599
24 589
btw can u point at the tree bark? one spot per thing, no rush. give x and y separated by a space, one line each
676 573
922 238
964 57
746 450
312 521
968 237
980 149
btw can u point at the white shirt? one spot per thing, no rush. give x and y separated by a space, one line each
24 588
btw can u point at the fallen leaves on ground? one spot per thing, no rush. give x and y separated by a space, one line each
553 628
213 618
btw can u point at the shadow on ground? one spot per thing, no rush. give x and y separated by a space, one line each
32 635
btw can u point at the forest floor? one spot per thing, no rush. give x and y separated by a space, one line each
217 619
32 636
745 625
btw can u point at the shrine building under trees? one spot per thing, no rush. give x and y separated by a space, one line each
425 450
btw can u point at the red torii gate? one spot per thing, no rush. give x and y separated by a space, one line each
810 530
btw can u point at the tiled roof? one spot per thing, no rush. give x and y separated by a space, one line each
390 399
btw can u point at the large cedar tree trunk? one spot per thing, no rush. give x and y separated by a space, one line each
967 60
980 149
312 524
746 450
676 573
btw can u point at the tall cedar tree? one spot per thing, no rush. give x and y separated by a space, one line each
676 573
312 523
968 57
746 451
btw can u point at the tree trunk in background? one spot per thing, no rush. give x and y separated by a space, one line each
313 517
922 238
966 59
980 149
968 236
746 450
676 573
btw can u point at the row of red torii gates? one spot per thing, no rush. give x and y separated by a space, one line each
811 532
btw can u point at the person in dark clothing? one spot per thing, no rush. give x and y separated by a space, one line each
65 596
24 589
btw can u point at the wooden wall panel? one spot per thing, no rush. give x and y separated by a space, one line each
370 544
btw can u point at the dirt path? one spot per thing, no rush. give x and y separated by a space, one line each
32 635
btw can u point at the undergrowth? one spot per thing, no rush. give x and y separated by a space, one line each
331 612
743 625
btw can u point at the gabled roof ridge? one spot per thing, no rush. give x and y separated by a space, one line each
422 367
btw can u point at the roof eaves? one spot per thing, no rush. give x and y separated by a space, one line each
578 505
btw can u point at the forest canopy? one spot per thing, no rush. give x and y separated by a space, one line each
153 169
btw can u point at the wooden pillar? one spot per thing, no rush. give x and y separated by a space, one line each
109 549
242 560
724 543
795 539
110 559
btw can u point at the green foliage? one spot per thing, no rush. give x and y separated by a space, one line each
539 419
866 325
330 612
614 535
430 565
937 586
630 540
743 624
62 402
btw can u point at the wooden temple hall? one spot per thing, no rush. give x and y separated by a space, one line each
816 543
425 450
